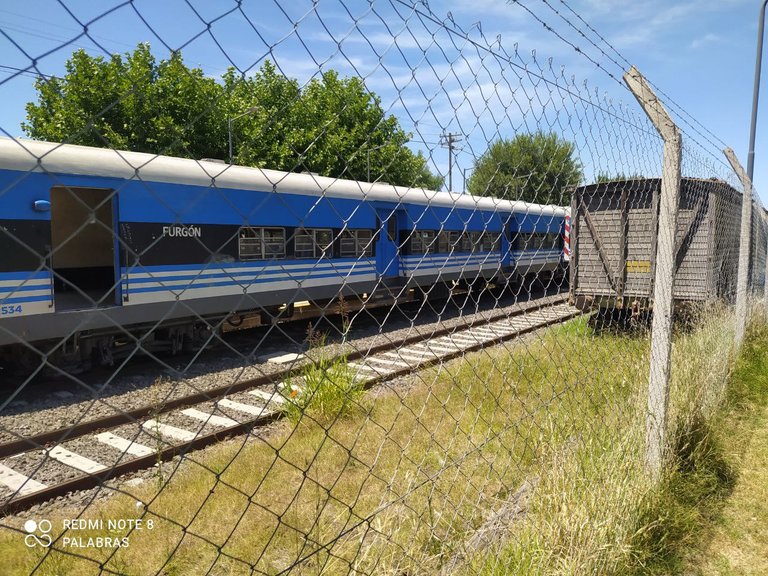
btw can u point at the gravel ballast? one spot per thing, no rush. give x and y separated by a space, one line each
152 387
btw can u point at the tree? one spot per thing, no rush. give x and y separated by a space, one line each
131 103
332 126
535 167
603 177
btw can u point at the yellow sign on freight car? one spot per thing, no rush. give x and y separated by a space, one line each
639 266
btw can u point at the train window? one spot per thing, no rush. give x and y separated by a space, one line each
348 244
303 244
443 243
527 241
466 242
261 243
475 239
540 241
454 241
488 242
356 243
313 243
423 241
549 241
449 241
417 243
250 244
274 242
323 244
364 242
545 241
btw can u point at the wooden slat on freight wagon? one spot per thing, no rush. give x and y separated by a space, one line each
598 243
692 221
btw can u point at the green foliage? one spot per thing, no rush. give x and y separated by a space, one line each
325 390
131 103
332 126
603 177
672 518
676 518
749 389
535 167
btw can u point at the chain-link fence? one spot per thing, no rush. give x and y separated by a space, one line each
366 291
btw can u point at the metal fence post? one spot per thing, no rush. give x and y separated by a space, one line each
744 245
765 281
661 334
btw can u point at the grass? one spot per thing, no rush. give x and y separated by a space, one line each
325 391
546 435
737 540
597 511
686 513
733 538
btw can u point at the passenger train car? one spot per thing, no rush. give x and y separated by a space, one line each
101 247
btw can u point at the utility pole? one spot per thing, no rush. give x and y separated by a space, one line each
449 140
756 92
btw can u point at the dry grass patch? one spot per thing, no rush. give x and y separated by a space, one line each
734 539
402 484
594 511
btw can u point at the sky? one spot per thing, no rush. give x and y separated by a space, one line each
478 69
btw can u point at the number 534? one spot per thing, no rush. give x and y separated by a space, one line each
8 310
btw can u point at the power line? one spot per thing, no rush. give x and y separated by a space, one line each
628 64
27 71
49 23
685 116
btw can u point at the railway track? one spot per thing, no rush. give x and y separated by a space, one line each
39 468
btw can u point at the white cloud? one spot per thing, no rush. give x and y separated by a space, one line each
706 39
629 23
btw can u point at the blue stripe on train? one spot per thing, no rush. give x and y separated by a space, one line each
21 300
34 275
255 273
25 287
215 266
195 285
441 266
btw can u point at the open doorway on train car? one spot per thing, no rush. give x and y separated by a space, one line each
83 247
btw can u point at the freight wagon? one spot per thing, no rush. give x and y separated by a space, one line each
614 240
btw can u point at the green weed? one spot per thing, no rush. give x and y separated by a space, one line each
326 388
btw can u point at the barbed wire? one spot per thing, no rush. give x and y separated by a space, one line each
687 118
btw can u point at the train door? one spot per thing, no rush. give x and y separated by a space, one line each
387 249
83 247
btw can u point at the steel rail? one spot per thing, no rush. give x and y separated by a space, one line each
88 481
39 441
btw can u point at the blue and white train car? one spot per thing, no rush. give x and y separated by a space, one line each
96 244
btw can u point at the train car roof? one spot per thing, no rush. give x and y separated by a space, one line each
38 156
640 181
